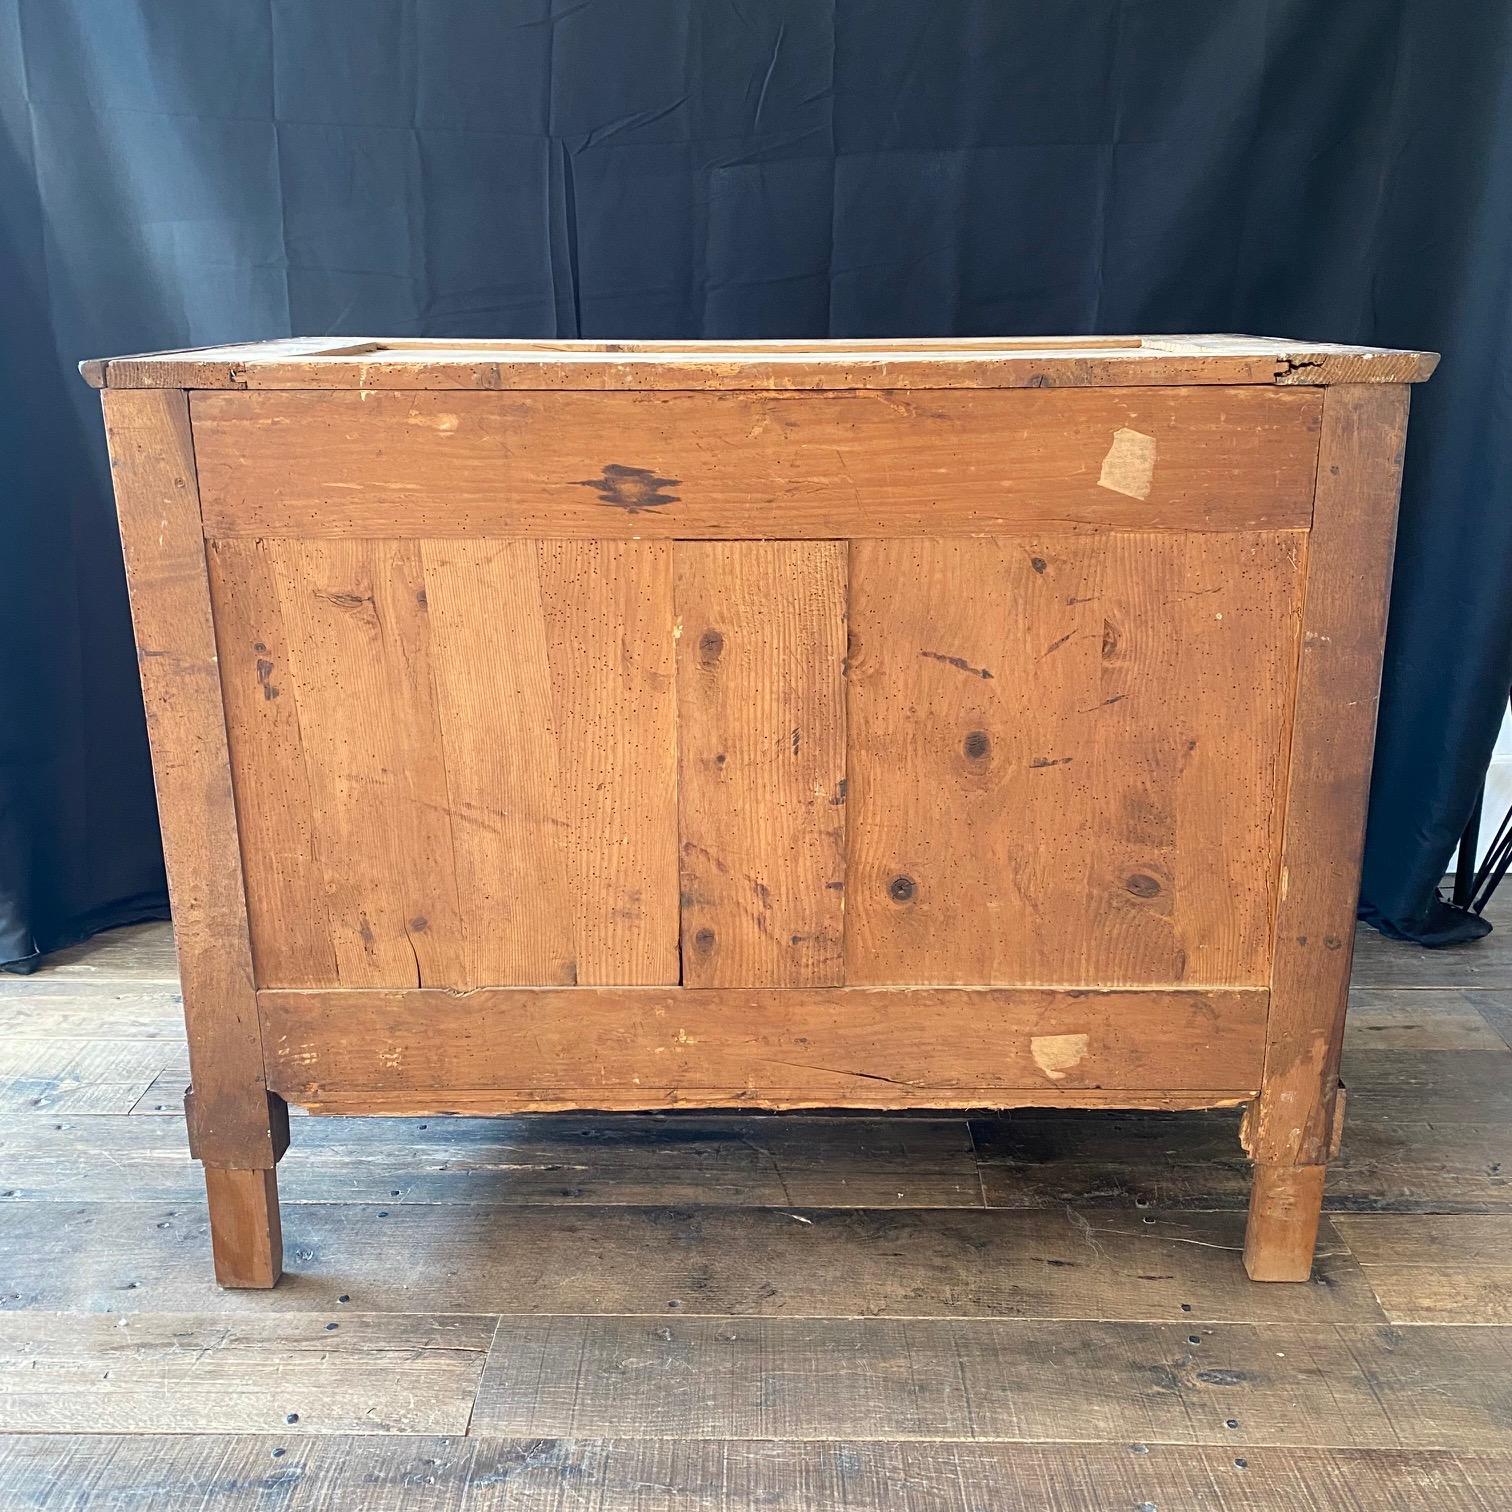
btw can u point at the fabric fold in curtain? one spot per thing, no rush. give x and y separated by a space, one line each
184 172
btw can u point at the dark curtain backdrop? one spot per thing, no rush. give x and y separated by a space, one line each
183 172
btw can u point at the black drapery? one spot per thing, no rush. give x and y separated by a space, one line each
184 172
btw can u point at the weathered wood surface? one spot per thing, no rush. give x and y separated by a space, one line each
996 361
944 1356
73 1075
239 1474
506 706
287 1374
1067 757
761 746
739 465
1343 622
679 1261
58 1010
1435 1269
621 1160
824 1047
157 501
1226 1384
1484 964
1389 1163
129 957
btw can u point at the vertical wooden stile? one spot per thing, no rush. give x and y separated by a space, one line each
1291 1128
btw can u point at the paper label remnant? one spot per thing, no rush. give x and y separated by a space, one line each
1056 1054
1129 467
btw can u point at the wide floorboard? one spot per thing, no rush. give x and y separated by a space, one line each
680 1312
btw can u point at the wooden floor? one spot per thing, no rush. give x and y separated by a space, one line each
1037 1311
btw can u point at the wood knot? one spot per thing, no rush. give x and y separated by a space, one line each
1142 886
902 889
977 745
703 941
710 647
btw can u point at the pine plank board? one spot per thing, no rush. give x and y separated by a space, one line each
509 707
94 1256
361 673
283 1374
1125 696
786 1162
221 1473
742 464
511 1050
1230 1384
288 901
761 760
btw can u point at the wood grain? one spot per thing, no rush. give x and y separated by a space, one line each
288 905
59 1010
1397 1163
153 467
762 756
715 1261
361 675
1433 1269
508 707
987 1379
835 1047
283 1374
1349 575
246 1234
714 1475
973 362
1067 757
134 955
43 1074
620 1160
738 464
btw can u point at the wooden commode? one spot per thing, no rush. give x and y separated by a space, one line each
835 724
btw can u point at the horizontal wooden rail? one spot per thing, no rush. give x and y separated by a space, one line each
738 464
519 1049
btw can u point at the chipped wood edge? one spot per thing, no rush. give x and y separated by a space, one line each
995 362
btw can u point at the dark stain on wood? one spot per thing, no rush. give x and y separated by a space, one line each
631 488
264 676
959 662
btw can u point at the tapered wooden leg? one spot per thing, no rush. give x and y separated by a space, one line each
245 1232
1286 1203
